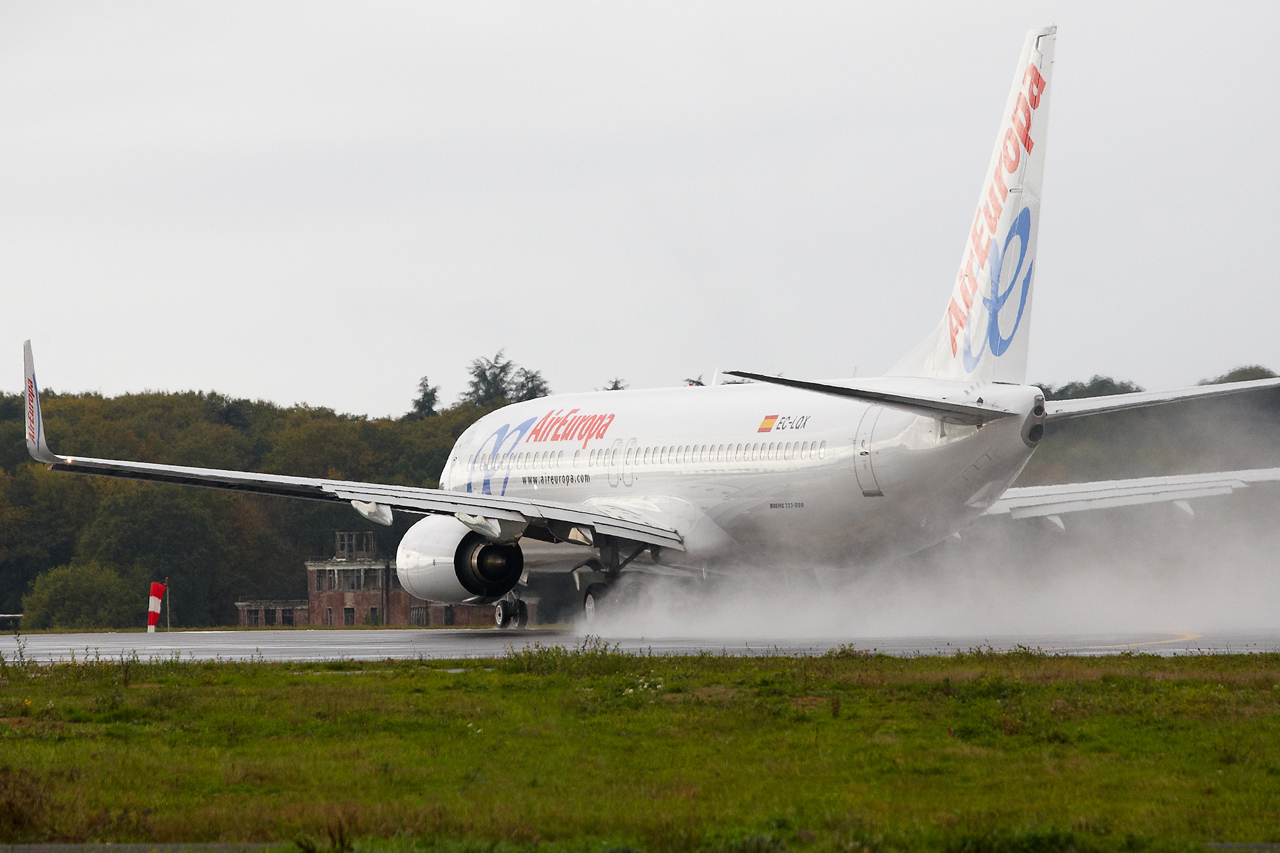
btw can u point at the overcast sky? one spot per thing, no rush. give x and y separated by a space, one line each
321 203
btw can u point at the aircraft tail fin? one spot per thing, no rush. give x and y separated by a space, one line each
983 334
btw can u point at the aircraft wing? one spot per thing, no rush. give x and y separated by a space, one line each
1056 410
560 521
1046 501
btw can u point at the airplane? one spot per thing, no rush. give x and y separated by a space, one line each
692 480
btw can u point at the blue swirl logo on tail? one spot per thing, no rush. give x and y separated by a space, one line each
995 302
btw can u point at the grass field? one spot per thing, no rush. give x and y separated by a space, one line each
589 748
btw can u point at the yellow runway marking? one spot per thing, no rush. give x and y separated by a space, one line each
1182 638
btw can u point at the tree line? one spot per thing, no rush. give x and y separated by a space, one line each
79 551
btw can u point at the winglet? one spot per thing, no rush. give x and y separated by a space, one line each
36 444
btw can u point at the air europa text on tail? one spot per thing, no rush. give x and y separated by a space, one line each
1017 139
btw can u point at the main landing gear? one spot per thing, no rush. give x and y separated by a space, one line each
511 613
596 579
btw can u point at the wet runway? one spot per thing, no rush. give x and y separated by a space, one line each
451 644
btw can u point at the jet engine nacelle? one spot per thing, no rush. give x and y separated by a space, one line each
441 559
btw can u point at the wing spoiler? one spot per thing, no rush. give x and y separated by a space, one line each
556 521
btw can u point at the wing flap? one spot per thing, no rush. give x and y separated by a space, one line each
404 498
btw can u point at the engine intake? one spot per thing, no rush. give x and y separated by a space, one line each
441 559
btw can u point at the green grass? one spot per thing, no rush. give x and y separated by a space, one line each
584 749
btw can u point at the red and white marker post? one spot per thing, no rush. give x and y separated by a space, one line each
153 607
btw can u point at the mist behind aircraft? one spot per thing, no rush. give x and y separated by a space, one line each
1152 568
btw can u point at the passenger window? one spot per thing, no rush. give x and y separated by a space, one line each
822 450
788 451
560 459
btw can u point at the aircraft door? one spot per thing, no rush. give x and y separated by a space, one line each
615 462
630 461
862 454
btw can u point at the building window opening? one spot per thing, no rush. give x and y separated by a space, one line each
348 616
374 619
269 617
251 617
328 616
418 616
286 617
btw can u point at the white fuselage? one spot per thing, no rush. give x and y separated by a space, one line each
756 470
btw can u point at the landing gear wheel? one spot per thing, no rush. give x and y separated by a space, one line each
502 613
520 618
592 601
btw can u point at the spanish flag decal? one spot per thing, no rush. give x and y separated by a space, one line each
767 424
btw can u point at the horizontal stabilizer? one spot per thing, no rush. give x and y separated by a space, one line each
943 410
1057 410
